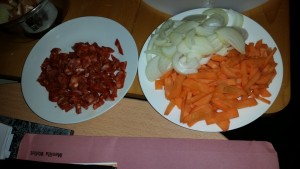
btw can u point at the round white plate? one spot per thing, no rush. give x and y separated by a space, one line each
90 29
247 115
169 7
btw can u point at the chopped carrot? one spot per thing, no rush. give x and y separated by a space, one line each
159 84
203 75
249 102
169 108
178 101
224 125
194 117
204 100
264 92
217 58
192 84
222 86
194 98
166 74
263 100
177 87
200 113
213 64
168 85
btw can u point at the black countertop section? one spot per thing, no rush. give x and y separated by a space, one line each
21 127
16 163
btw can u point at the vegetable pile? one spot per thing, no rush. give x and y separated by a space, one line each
207 70
89 75
184 45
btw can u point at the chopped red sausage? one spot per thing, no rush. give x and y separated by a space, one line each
118 45
89 75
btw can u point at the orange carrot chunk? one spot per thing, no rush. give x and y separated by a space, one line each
222 86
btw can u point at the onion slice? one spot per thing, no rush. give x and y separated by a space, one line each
219 11
164 64
233 37
238 19
197 17
184 45
185 65
152 70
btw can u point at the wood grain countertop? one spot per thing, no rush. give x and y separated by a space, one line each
141 19
129 118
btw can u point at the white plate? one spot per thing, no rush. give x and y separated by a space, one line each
169 7
90 29
157 99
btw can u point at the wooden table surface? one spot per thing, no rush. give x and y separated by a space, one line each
129 118
141 19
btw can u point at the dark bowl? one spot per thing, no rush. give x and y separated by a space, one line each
34 23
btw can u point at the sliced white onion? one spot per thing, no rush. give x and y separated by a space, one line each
233 37
194 54
215 42
197 17
150 46
186 44
205 30
238 19
183 65
183 48
151 41
168 51
166 25
202 45
204 60
214 21
189 39
176 37
218 11
152 71
242 31
186 26
162 42
223 51
153 53
164 64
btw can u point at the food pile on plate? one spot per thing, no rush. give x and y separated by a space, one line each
184 45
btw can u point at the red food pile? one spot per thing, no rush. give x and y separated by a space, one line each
89 75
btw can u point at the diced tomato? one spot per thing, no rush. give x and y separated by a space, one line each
87 76
118 45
